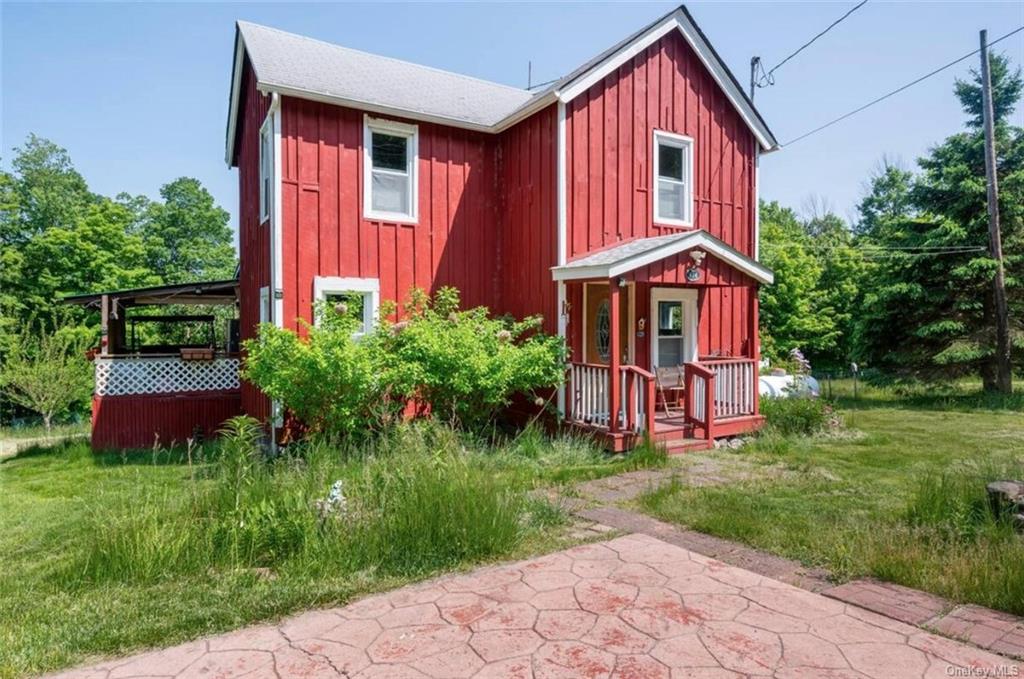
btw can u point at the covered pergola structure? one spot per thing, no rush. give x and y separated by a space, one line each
167 391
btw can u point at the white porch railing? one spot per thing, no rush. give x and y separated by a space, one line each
735 386
123 375
590 402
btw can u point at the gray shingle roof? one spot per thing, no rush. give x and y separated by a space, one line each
316 67
633 254
627 250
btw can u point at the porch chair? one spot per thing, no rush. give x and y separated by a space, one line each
669 381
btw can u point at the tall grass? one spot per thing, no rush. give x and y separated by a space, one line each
416 502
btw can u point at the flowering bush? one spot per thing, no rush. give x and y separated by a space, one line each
465 365
330 381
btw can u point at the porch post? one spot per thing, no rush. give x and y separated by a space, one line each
614 356
755 347
105 325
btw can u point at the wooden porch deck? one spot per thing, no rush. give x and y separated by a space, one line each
719 399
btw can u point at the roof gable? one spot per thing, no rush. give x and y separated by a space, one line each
591 73
632 255
306 68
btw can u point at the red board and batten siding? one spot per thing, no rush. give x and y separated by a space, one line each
609 142
142 421
455 241
529 220
253 237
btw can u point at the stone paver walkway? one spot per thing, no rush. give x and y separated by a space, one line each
634 606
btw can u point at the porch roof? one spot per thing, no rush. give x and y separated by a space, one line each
201 292
634 254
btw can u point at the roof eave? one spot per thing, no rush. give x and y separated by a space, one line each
681 20
236 87
702 239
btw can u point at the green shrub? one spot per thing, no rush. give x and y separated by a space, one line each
464 364
797 416
330 381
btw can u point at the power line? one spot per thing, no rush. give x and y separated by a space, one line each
899 89
767 77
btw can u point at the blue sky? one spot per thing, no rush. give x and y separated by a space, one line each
138 92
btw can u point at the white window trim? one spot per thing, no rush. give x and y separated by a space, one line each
686 144
369 288
411 132
266 167
689 299
265 304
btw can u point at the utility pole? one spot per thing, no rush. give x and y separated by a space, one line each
754 62
1004 372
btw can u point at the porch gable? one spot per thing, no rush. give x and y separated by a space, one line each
632 255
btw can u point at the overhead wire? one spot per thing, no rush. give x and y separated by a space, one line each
900 89
766 77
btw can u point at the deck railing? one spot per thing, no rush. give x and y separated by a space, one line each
163 374
699 392
590 397
715 391
735 386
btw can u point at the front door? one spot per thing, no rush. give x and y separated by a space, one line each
597 323
674 331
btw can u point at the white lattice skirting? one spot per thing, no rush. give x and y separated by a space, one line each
120 376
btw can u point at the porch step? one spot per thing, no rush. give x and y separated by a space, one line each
685 445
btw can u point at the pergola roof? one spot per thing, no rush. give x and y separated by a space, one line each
634 254
203 292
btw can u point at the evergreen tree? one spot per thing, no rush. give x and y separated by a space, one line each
931 315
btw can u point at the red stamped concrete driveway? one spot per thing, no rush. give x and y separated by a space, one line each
630 607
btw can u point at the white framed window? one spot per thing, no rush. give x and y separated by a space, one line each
265 316
361 294
672 184
390 155
266 167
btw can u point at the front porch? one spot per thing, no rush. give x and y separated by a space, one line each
663 333
718 398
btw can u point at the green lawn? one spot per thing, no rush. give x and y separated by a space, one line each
39 431
899 495
105 554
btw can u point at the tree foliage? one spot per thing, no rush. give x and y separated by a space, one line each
46 371
929 314
464 364
57 237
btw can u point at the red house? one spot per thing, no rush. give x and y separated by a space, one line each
620 202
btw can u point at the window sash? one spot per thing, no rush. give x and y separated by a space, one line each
266 158
673 196
383 198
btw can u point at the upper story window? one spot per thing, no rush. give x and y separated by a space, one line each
673 179
266 166
389 176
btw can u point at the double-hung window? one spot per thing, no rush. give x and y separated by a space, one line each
389 177
266 167
673 179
